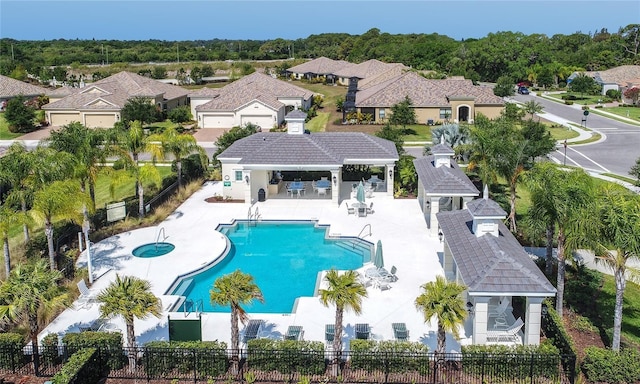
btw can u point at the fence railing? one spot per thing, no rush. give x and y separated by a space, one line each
204 365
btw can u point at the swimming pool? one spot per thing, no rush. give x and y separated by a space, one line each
284 257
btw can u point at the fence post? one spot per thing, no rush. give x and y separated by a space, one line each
146 363
482 364
531 367
386 367
195 366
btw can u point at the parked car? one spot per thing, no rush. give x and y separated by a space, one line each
523 90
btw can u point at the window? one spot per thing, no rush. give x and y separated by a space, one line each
381 113
238 175
445 113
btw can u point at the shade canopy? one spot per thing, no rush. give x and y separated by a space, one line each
360 193
378 260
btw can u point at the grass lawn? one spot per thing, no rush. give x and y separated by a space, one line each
5 134
580 98
561 133
417 132
331 93
122 191
318 123
627 112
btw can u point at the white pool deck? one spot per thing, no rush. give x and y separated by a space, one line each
398 223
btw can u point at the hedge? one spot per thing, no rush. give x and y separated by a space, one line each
390 355
554 330
207 358
83 367
109 343
519 362
11 355
286 356
607 366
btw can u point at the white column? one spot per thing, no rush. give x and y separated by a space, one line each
389 170
533 320
480 319
466 200
433 221
246 175
336 175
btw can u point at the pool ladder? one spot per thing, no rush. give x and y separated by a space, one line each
190 306
353 243
253 216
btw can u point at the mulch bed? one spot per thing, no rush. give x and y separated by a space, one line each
217 199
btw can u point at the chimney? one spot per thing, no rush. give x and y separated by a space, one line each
295 122
486 215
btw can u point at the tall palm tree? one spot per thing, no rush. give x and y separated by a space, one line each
235 290
8 218
442 299
32 293
15 169
345 292
127 146
532 107
612 230
59 200
179 146
131 298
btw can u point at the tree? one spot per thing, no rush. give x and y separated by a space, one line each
225 140
558 198
504 87
15 169
345 292
32 293
539 141
131 298
58 200
635 171
443 300
532 107
389 133
9 218
235 290
512 112
139 108
403 114
632 93
610 227
455 135
180 114
159 72
19 115
583 84
179 146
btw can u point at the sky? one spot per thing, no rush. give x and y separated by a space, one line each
182 20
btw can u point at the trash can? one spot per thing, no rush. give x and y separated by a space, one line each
262 196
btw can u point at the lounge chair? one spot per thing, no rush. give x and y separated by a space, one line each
400 331
381 284
500 309
251 330
510 334
329 333
86 299
294 332
388 276
370 208
350 210
362 331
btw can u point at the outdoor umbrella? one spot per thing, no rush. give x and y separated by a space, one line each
378 261
360 193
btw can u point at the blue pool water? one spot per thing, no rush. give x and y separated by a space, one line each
284 259
153 250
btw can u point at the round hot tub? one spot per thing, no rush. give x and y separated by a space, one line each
153 250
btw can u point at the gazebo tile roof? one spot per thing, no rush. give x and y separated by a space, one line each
443 180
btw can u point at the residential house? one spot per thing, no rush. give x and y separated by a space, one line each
10 88
618 78
320 67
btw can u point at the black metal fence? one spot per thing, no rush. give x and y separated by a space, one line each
204 365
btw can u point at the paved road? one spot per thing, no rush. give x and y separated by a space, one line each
616 153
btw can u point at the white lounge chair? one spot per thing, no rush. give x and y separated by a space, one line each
510 334
350 210
86 299
500 309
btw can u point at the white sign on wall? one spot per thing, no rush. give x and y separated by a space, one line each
116 211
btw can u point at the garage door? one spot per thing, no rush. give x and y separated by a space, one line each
264 121
100 121
60 119
218 121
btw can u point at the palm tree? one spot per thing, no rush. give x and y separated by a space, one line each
235 290
443 300
612 229
59 200
131 298
345 292
32 293
9 218
179 146
532 107
128 146
15 168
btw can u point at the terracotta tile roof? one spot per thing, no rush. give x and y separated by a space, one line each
424 92
11 88
320 66
489 263
112 93
367 69
321 148
256 86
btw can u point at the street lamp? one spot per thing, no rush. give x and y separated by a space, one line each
85 229
565 152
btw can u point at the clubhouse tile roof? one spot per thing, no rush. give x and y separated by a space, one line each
256 86
424 92
446 181
322 148
489 263
320 66
113 92
10 87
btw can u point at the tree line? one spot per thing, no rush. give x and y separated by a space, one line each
521 56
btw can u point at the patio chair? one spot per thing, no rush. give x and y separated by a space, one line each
510 334
350 210
294 332
362 331
370 208
329 333
500 309
388 276
251 330
381 284
322 191
400 331
86 299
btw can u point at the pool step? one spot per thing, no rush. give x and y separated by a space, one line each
184 287
356 246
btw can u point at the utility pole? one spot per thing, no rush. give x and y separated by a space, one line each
178 53
13 58
565 152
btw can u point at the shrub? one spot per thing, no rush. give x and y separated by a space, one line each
83 367
11 356
180 114
50 353
607 366
192 167
207 358
568 102
109 343
285 356
521 361
390 356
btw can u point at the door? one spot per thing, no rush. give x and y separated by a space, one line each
218 121
100 121
60 119
265 122
463 113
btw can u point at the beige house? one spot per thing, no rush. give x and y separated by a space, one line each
10 88
320 67
619 78
257 98
99 104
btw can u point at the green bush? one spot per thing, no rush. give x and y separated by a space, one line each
11 355
554 330
390 356
109 343
614 94
607 366
568 102
81 368
518 362
50 355
191 168
180 114
207 358
285 356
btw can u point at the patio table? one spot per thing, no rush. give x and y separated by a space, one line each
297 186
361 208
323 184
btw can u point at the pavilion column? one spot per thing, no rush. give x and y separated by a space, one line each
336 174
533 320
389 176
466 200
480 319
246 178
433 220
